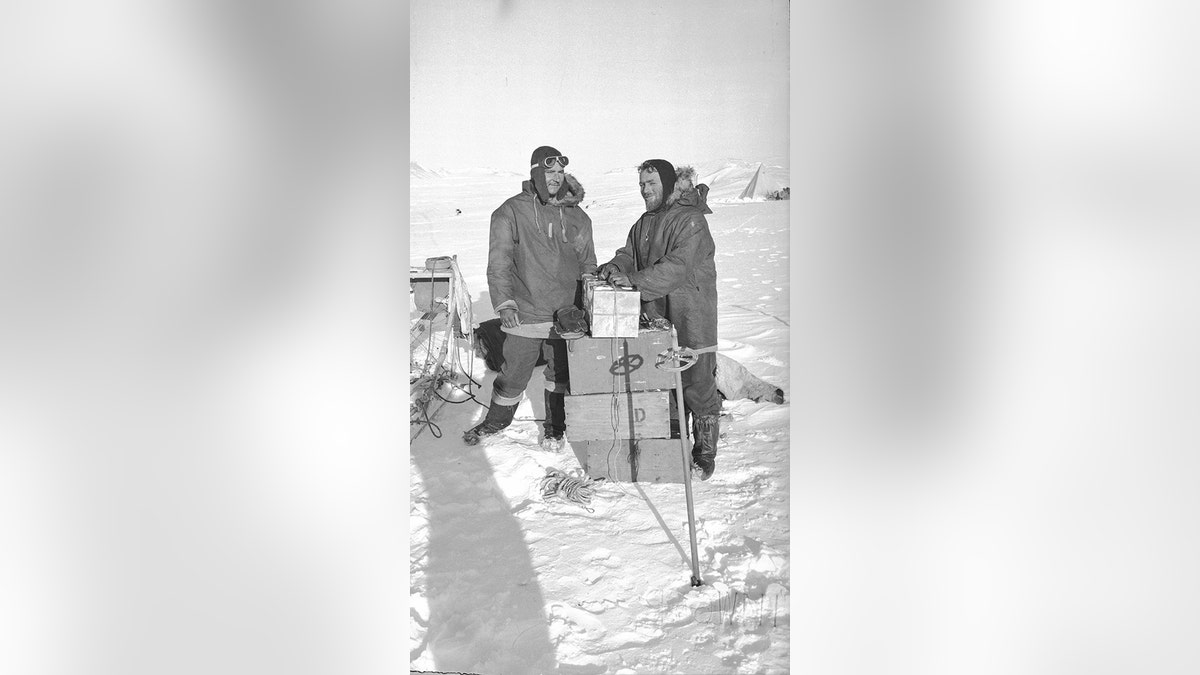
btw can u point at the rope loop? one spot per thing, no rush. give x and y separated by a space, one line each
575 487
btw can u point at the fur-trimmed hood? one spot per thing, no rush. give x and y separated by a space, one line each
669 256
570 194
537 251
686 192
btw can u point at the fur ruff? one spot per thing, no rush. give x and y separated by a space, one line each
685 179
570 194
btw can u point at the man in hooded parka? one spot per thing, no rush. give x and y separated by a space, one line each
669 258
539 246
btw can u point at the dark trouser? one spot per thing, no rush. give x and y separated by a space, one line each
700 386
520 358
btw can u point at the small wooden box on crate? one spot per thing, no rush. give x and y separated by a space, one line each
612 311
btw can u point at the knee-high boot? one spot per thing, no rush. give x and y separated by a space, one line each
706 429
498 417
556 415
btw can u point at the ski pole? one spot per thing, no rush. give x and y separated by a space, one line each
687 458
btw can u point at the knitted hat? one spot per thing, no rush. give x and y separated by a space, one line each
542 153
666 173
537 172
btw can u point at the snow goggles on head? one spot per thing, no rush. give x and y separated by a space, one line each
549 161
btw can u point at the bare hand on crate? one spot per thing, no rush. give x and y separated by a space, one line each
508 318
620 279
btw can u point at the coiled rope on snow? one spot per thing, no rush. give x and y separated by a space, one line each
575 487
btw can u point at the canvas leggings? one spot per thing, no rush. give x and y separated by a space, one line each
521 356
700 386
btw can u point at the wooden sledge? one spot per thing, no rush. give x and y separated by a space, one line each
440 294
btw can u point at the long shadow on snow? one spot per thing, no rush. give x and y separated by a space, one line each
486 610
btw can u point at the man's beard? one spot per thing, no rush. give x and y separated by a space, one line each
652 202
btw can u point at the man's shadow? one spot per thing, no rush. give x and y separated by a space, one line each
486 609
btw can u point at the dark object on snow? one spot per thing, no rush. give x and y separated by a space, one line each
570 322
489 343
458 212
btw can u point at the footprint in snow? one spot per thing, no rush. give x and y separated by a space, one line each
576 620
679 615
754 644
597 606
520 508
636 639
597 554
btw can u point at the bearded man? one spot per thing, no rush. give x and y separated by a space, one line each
669 258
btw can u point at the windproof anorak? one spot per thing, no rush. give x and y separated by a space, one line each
669 257
538 251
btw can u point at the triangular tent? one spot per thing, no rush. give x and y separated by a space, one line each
765 182
749 192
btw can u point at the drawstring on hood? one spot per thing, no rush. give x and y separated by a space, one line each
571 194
562 226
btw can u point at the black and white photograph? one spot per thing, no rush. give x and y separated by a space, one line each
744 336
599 256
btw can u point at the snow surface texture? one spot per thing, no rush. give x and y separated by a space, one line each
503 581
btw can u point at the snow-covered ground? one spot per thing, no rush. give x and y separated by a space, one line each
503 581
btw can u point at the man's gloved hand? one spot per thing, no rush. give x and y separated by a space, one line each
570 322
508 318
603 272
656 322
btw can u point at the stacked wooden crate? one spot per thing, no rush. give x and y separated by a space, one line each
621 413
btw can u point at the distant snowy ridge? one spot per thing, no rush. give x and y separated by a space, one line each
728 181
417 171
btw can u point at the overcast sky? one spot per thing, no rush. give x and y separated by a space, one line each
607 83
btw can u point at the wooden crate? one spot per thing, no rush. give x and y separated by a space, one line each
648 460
629 415
607 365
